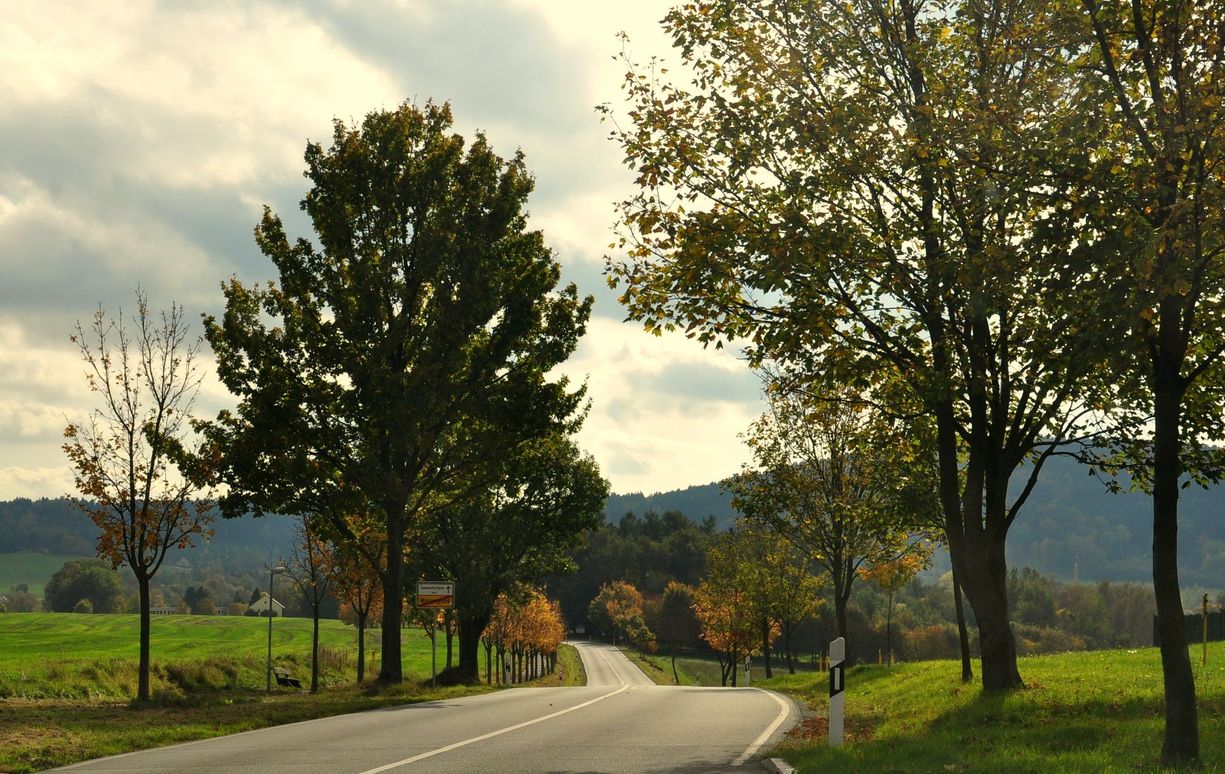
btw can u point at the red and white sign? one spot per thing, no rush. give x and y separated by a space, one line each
435 594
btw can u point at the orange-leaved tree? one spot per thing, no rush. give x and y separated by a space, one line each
732 604
617 612
893 574
357 583
124 457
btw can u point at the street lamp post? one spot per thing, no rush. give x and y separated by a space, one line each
272 572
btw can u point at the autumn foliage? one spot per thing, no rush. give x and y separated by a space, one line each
524 632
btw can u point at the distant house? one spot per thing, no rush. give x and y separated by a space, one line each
160 610
260 607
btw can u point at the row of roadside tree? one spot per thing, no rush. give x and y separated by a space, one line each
395 387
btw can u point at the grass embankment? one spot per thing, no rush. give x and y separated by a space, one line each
1092 712
66 681
690 670
568 674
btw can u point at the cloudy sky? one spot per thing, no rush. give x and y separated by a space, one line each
139 141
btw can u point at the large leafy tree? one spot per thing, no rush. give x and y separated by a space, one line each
851 188
425 305
1152 74
617 612
820 480
519 530
124 459
84 579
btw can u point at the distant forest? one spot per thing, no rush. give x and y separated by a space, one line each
58 527
1071 528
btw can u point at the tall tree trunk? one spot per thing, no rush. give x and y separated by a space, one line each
842 598
765 645
361 648
676 678
963 636
142 679
987 589
977 552
788 630
889 627
449 622
315 649
1180 746
471 626
391 669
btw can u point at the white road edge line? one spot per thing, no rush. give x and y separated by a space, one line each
784 711
492 734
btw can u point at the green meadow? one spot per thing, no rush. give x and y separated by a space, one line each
1096 711
66 681
1092 711
34 570
68 655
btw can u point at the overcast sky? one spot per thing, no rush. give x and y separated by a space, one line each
139 141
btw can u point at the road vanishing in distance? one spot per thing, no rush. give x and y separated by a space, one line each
619 722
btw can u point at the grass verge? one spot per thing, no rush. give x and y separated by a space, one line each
1081 712
66 682
691 670
568 674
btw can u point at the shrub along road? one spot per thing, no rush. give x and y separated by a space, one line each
619 722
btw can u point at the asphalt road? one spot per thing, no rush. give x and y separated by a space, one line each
619 722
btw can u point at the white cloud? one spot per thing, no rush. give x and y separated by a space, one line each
35 482
142 138
666 413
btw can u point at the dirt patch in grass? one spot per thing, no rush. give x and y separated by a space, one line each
816 729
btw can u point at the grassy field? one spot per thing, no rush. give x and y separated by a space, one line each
33 570
690 670
72 656
66 681
1081 712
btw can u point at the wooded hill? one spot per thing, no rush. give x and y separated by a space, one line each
1071 527
56 526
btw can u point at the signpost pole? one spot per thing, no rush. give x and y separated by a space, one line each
837 688
431 596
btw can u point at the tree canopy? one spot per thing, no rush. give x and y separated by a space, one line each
852 189
424 306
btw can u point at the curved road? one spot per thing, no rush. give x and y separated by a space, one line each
619 722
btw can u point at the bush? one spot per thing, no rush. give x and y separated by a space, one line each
936 641
1033 640
83 606
21 602
80 579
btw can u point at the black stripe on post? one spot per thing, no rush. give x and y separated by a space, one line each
836 684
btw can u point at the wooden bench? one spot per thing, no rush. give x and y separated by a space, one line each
283 677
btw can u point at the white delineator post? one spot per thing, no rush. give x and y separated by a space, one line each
837 688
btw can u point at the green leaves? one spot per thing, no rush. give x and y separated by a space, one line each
406 348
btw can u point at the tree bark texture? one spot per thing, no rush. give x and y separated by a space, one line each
142 679
1180 745
470 628
963 635
391 669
